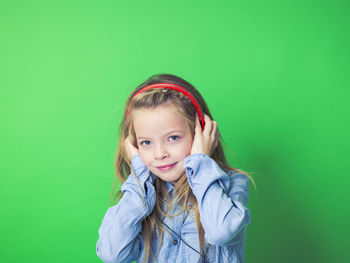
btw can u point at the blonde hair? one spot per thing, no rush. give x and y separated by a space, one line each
151 99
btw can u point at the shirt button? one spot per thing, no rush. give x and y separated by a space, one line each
175 242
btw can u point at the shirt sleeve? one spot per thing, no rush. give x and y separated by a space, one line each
119 239
222 199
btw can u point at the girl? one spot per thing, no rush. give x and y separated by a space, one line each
180 201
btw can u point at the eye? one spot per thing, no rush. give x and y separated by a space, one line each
174 138
145 143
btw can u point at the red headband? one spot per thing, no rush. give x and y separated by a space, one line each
174 87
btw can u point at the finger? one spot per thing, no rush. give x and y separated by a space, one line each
127 140
216 141
128 134
217 137
132 140
132 137
214 131
208 125
213 135
197 127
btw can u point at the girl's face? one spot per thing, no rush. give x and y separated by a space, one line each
163 140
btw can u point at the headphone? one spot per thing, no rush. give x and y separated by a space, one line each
173 87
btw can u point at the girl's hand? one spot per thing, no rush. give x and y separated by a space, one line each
130 148
205 141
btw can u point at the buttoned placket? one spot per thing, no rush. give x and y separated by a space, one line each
175 226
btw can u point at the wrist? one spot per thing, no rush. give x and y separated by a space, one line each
136 162
200 152
196 155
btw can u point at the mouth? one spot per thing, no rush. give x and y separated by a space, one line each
167 167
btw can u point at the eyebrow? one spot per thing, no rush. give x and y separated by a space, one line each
173 131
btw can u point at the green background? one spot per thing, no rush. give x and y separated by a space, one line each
274 73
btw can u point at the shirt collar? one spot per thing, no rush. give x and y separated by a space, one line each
168 185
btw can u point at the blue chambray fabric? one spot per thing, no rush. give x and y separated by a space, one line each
222 201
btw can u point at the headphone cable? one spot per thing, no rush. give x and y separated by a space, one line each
179 236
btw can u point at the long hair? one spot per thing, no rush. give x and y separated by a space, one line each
184 195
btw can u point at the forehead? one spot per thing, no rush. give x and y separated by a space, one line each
153 121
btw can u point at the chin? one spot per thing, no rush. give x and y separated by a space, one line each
168 179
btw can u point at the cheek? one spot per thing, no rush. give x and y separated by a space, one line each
189 145
185 149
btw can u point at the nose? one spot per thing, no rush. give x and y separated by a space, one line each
160 152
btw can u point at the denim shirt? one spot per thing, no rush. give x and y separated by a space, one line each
222 201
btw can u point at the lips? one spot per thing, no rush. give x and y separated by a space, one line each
166 167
